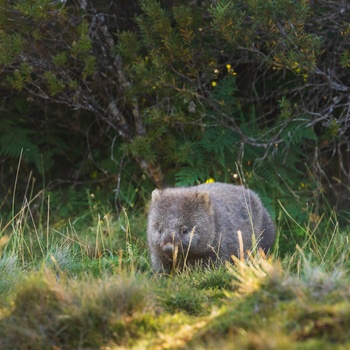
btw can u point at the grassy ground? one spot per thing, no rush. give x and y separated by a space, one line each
72 286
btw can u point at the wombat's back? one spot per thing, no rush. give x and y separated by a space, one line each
237 208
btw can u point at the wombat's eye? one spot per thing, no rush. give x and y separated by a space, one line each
184 230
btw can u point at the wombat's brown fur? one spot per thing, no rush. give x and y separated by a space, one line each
201 224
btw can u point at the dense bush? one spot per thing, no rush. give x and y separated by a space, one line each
250 91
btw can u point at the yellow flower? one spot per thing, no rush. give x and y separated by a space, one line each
230 70
210 180
213 83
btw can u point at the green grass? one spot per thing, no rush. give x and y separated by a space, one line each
66 286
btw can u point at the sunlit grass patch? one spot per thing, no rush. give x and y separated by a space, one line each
300 310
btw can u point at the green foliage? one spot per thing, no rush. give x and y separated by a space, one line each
60 59
297 131
20 77
210 157
221 137
16 141
55 85
244 91
38 10
83 45
90 66
141 146
345 59
11 46
69 202
280 25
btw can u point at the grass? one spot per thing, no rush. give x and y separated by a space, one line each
75 287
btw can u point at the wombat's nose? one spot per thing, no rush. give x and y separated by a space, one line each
168 248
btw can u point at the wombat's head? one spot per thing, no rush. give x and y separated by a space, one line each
180 222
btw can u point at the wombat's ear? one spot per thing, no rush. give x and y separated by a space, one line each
204 199
156 195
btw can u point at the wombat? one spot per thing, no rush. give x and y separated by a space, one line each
200 224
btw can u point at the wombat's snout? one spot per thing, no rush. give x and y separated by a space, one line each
168 248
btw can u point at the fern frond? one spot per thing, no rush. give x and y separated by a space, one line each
297 131
16 139
190 176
